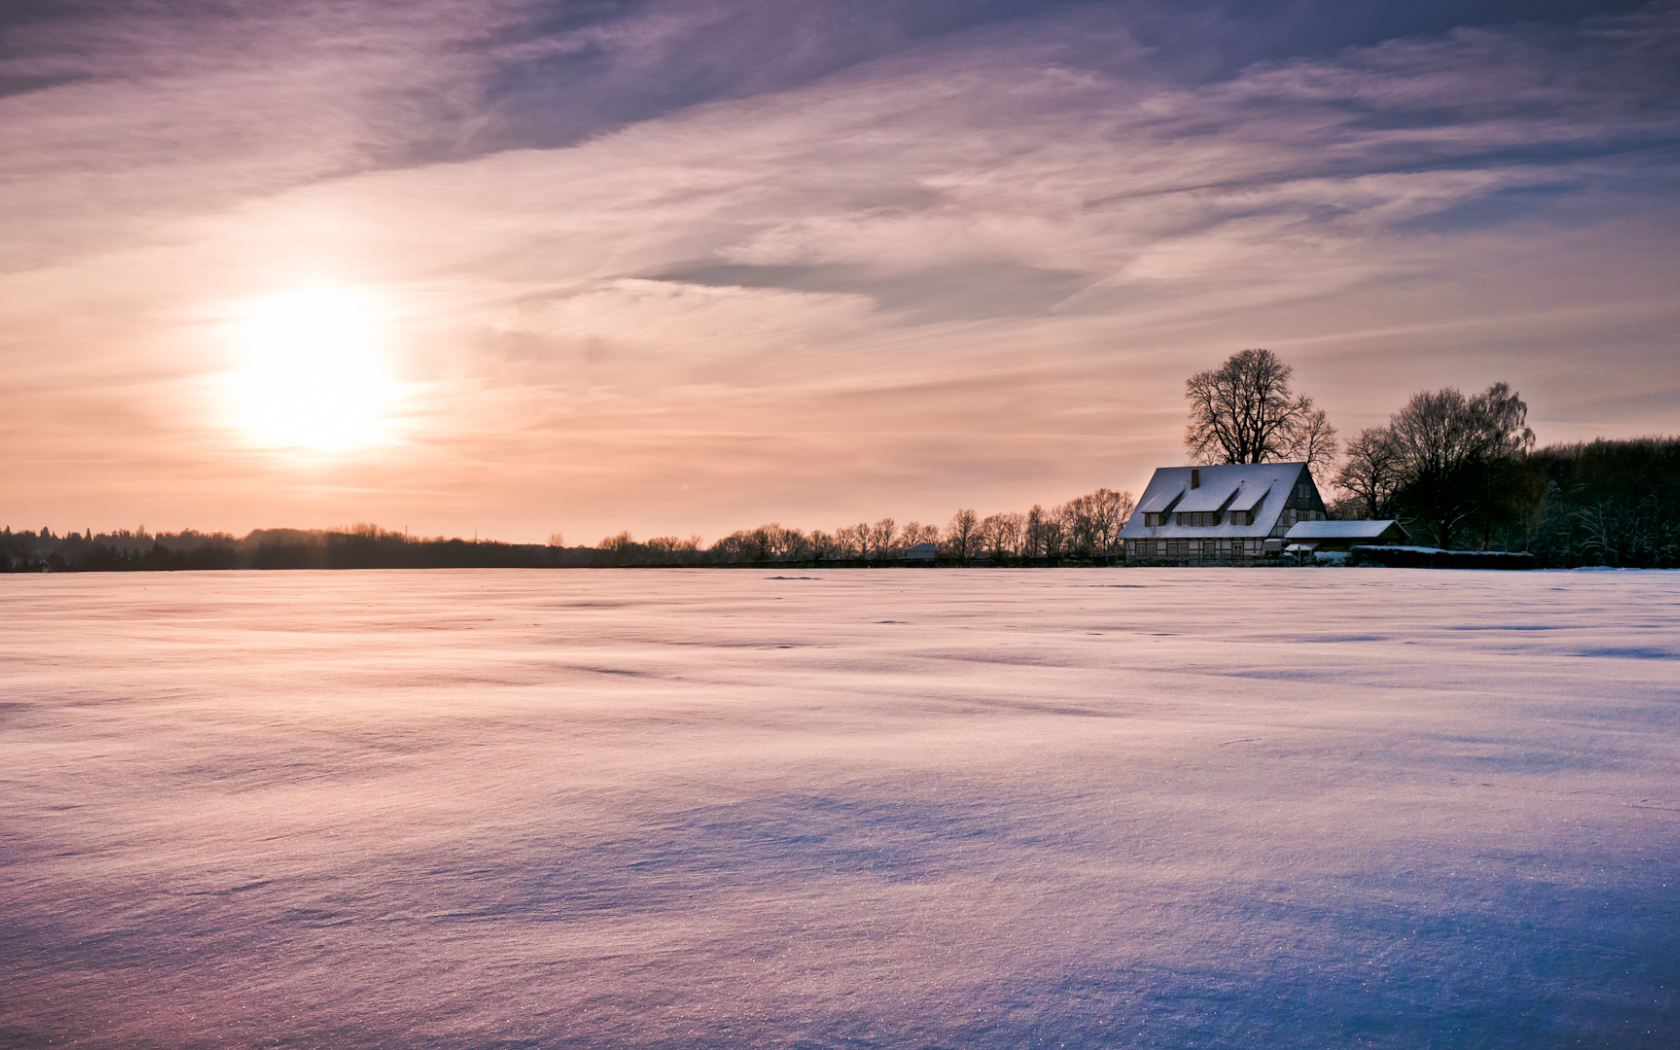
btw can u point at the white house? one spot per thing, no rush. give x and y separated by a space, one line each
1233 512
921 552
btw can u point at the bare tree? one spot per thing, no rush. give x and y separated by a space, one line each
881 537
1075 516
1000 534
1032 532
670 550
914 534
824 545
788 544
1110 511
1245 412
855 540
1449 447
1314 441
1053 532
1373 472
961 538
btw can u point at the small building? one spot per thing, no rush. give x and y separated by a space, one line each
1318 537
1231 513
922 552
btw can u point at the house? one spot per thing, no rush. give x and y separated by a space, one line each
1314 537
1220 515
921 552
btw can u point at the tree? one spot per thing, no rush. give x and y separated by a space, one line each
961 536
914 534
1315 442
1053 532
1245 412
1456 455
1373 473
1110 512
1032 532
881 536
854 540
1000 534
824 545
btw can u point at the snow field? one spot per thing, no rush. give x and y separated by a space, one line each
708 808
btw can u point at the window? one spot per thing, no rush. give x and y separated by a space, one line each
1152 519
1242 517
1198 517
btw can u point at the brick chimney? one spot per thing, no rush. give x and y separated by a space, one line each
1195 478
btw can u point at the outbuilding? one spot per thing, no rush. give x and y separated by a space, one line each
1316 537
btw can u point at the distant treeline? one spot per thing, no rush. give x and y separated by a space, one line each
1611 503
1084 529
358 547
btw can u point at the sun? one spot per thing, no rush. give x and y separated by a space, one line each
313 373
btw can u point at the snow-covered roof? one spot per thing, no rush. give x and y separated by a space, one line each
1259 487
1158 500
1209 496
1342 530
1248 497
931 548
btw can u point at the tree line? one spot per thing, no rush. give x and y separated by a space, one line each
1460 471
1086 528
356 547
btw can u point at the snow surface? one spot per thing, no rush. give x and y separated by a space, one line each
906 808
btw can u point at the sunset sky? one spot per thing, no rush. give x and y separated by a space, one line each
526 267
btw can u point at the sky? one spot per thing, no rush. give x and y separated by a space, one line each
519 268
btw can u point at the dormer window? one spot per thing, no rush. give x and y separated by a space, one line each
1242 517
1152 520
1199 517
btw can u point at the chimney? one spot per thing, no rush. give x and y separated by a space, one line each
1195 478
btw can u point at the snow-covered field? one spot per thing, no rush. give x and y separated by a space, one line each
1084 808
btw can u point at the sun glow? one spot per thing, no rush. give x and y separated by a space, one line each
313 373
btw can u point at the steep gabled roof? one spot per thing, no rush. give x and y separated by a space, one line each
1259 487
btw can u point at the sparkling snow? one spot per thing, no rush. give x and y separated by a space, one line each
896 808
